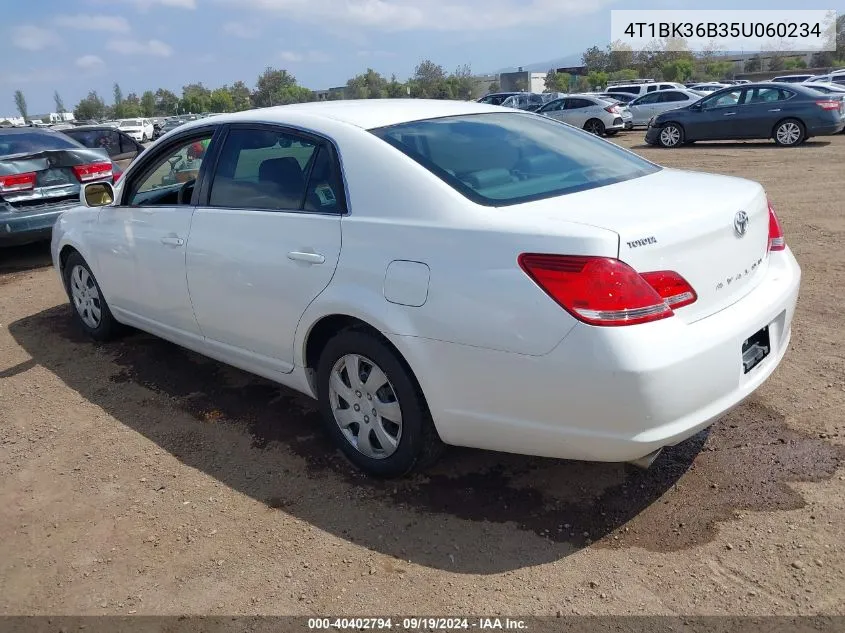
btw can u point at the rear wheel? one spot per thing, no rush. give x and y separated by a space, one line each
671 135
372 407
89 306
594 126
789 132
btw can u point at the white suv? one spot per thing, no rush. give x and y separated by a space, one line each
641 89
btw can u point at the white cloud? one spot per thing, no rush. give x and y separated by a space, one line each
306 56
145 5
110 23
435 15
239 29
376 54
152 48
33 38
89 62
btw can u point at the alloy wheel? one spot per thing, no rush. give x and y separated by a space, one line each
788 133
670 136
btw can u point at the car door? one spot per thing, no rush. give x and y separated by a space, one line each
143 238
577 111
714 120
127 149
762 108
670 100
554 109
265 241
642 108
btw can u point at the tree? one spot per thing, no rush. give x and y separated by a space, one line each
278 87
20 103
679 70
240 96
196 98
396 89
753 64
791 63
369 85
221 100
594 79
167 103
91 107
148 103
494 87
719 70
460 83
556 82
117 108
776 62
60 105
428 81
595 59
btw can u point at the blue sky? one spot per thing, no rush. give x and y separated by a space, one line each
83 45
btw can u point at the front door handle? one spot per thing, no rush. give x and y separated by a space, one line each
308 258
775 110
172 241
730 113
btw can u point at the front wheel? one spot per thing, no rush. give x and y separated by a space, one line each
90 309
671 135
789 133
594 126
372 406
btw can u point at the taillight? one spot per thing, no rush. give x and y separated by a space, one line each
612 109
17 182
94 171
828 104
117 176
606 291
777 242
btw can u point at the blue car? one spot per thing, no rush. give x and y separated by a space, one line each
787 113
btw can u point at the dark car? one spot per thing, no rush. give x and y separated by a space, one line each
169 125
621 97
121 147
787 113
496 98
41 172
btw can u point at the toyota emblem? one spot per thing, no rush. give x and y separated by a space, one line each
741 223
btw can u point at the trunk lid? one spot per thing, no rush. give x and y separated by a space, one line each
55 180
679 221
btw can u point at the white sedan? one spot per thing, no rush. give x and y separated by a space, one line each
443 272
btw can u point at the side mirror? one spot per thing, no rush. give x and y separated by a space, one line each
97 194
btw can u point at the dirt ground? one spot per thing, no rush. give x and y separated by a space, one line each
139 478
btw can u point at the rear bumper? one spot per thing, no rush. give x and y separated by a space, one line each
23 227
825 128
607 394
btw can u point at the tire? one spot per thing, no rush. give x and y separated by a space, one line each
671 135
594 126
789 133
390 447
144 138
86 298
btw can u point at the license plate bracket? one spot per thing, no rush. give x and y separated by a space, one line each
755 348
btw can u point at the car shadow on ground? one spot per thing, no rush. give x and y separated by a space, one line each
17 259
812 144
474 511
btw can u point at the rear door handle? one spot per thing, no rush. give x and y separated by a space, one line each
308 258
775 110
172 241
730 113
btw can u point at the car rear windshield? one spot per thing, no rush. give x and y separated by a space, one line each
132 123
29 142
499 159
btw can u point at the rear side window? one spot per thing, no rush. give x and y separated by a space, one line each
268 170
29 142
499 159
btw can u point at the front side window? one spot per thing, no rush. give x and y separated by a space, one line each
724 100
177 168
271 170
500 159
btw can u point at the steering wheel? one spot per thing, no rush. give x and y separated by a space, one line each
183 195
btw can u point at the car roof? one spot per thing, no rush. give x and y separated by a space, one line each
91 127
362 113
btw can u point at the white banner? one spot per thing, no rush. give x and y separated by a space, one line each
730 31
